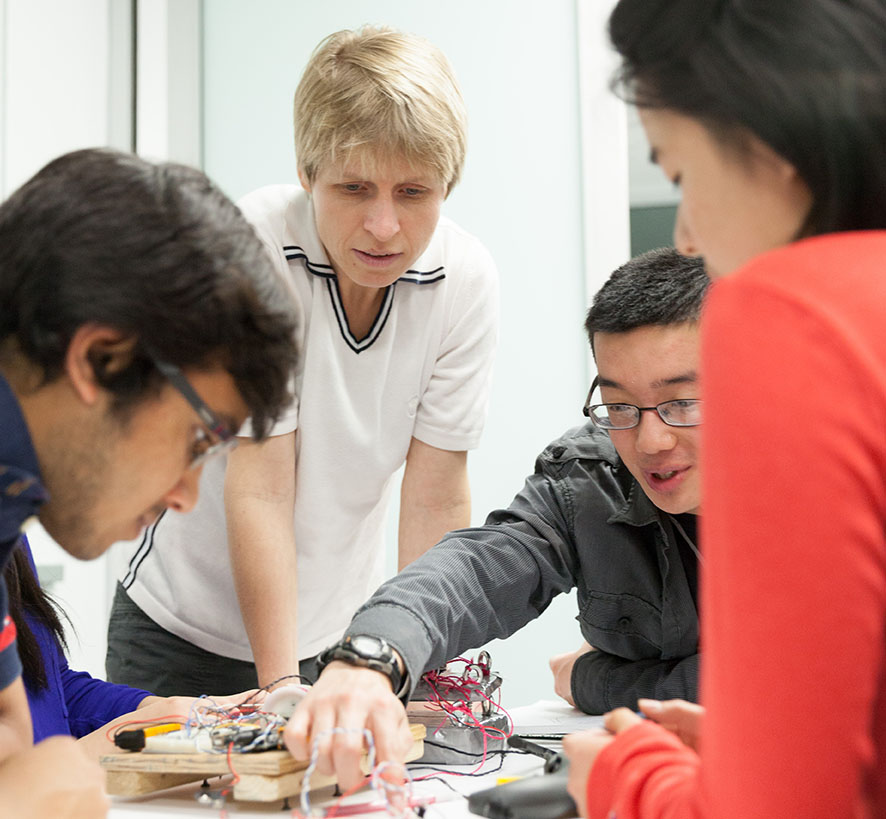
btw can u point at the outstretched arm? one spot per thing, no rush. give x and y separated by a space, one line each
259 504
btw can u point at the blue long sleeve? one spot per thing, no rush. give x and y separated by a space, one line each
74 703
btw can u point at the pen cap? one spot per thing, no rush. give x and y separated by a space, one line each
130 740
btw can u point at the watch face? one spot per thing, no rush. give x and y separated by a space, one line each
367 646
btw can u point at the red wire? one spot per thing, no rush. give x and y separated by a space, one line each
458 705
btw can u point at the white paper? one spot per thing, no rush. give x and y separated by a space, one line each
551 718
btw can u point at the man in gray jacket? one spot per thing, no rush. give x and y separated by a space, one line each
610 510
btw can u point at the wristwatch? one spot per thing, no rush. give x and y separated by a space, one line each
366 651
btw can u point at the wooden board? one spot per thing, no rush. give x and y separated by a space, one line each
264 777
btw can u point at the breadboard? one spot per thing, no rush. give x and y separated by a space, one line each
266 776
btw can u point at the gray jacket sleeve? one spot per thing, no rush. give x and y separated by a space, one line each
476 584
601 681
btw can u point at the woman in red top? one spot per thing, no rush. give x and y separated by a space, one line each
771 117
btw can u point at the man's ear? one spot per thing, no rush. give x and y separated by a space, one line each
96 350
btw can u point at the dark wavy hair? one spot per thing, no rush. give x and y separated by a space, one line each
28 602
806 78
157 252
656 288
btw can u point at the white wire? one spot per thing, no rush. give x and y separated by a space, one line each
315 755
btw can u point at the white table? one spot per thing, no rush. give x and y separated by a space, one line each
181 802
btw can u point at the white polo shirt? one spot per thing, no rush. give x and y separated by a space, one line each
423 370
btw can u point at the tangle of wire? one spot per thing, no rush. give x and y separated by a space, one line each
455 695
243 724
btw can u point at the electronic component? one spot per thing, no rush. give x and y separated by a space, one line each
282 700
458 706
209 728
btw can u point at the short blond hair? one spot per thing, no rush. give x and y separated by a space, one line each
381 92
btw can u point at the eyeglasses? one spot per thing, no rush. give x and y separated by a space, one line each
204 446
684 412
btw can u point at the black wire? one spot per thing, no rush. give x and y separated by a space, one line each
475 755
269 686
444 782
501 760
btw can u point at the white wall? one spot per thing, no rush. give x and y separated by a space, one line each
519 66
65 85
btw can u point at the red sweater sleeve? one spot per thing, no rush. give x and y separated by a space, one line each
793 589
647 769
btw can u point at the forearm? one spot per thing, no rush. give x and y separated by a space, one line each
435 498
601 681
265 577
150 708
259 501
423 526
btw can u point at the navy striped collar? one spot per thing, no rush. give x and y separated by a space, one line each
428 276
324 270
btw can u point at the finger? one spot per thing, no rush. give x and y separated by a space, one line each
346 748
620 720
679 712
300 727
391 732
692 709
653 709
581 739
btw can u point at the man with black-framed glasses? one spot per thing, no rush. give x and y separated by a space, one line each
141 323
610 510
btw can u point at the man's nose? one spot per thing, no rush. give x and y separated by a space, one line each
183 496
653 434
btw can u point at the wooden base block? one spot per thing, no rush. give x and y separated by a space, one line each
264 777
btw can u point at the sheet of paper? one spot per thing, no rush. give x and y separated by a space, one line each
551 718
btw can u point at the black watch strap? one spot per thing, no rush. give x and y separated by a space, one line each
366 651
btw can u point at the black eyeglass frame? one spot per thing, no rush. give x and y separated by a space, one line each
226 439
588 406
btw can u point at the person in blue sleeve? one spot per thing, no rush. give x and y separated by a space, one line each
63 701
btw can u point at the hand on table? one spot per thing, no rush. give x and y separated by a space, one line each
677 716
561 667
348 699
54 778
165 709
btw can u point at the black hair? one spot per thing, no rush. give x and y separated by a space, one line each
26 596
157 252
806 78
659 287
